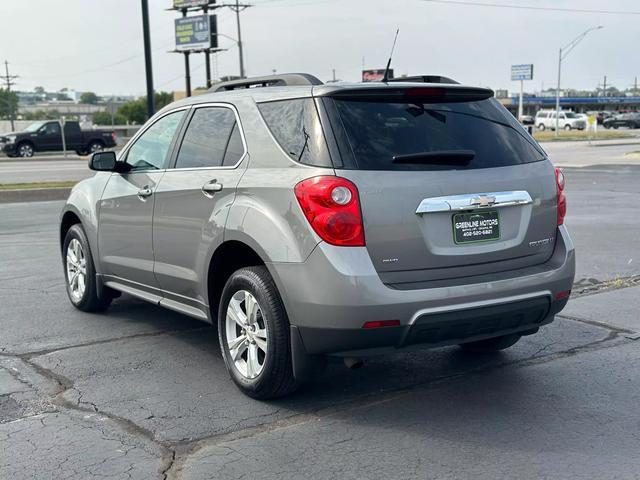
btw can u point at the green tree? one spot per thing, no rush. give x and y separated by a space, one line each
135 111
89 97
104 118
162 99
39 89
8 104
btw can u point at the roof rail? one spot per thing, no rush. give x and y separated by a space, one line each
424 79
286 79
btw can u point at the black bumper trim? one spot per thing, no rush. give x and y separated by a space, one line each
436 329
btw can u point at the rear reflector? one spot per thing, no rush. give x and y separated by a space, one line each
563 295
381 323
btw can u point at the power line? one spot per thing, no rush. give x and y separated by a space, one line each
531 7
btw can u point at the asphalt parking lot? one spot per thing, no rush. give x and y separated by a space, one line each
141 392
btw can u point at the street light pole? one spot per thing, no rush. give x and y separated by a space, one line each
564 51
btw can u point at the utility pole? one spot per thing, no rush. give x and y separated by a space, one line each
240 52
635 87
604 87
147 57
9 81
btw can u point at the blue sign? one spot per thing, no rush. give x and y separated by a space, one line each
522 72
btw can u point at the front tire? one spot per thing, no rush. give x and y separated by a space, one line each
80 273
253 330
25 150
567 127
491 344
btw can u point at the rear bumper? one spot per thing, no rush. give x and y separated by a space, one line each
435 329
332 294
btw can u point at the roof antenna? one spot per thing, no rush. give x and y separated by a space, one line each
385 78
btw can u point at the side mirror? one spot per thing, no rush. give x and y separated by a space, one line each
103 161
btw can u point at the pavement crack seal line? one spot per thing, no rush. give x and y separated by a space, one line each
588 286
128 426
46 351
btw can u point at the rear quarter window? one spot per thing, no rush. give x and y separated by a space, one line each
296 127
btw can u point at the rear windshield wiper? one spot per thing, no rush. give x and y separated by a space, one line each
437 157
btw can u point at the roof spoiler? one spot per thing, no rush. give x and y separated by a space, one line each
414 93
425 79
284 80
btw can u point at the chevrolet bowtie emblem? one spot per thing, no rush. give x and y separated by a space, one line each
483 201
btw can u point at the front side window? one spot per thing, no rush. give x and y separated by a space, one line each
151 149
51 129
212 139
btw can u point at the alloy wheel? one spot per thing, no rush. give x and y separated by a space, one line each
25 150
76 270
246 331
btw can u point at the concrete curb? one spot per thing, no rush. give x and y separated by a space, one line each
34 195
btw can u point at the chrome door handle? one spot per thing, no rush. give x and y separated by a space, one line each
145 192
211 187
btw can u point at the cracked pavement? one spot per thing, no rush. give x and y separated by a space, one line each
141 392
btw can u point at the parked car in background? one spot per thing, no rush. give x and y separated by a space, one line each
629 120
527 120
601 115
278 213
546 119
46 136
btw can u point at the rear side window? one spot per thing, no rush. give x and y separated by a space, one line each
417 136
296 127
211 131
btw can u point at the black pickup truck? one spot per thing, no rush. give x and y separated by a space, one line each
46 136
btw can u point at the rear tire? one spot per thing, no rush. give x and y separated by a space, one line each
491 344
80 273
567 127
541 127
96 146
255 337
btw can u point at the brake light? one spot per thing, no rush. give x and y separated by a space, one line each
562 199
332 207
113 135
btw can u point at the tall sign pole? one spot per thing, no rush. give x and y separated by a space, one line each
147 57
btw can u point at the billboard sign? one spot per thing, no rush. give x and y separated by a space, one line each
375 75
190 3
196 33
522 72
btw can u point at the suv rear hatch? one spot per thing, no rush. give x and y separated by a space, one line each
450 184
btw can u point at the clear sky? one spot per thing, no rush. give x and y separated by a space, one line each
97 44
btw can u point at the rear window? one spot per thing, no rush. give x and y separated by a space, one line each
420 136
296 127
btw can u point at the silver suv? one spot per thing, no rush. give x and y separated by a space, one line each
309 220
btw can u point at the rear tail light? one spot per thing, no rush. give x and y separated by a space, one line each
562 199
332 207
113 135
